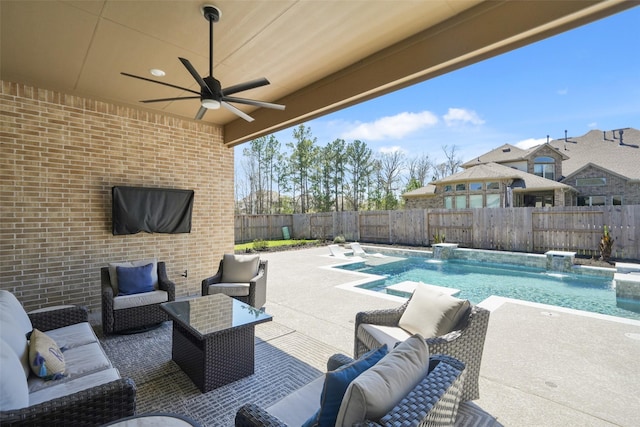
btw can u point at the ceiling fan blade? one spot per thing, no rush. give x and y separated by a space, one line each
237 111
195 74
245 86
146 101
160 83
253 102
200 113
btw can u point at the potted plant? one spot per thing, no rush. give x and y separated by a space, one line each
606 243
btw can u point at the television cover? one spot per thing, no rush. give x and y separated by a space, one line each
153 210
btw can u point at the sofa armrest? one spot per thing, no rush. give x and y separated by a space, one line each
164 283
55 318
338 360
94 406
251 415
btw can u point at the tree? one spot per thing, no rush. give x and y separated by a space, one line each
301 161
336 150
359 165
390 168
419 168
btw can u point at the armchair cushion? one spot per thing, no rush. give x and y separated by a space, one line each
229 289
13 387
134 280
45 357
113 274
379 389
139 300
432 313
239 268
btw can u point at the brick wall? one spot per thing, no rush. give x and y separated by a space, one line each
61 154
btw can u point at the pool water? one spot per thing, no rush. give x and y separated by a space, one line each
477 281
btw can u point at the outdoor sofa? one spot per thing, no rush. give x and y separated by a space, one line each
89 392
406 386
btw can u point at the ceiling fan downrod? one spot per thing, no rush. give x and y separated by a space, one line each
211 14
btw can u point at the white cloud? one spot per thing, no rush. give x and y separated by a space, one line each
531 142
592 125
393 149
460 115
563 91
391 127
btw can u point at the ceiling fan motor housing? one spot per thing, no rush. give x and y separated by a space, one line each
211 13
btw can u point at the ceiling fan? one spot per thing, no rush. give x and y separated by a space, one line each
211 93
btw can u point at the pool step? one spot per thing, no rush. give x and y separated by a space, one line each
406 288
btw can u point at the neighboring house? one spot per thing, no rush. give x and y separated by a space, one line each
599 168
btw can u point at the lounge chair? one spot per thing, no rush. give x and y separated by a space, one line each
358 251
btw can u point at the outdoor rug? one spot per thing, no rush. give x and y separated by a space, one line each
285 360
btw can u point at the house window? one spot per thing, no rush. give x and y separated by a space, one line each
616 200
448 202
475 186
461 202
493 185
493 200
461 187
591 182
545 167
475 201
591 201
448 188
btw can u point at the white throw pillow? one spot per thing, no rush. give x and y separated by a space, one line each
113 274
380 388
239 268
432 313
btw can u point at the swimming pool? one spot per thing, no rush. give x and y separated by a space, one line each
479 280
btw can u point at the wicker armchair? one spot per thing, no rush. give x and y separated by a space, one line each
251 291
132 318
433 402
90 407
466 343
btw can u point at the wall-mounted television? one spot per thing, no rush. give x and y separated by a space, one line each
154 210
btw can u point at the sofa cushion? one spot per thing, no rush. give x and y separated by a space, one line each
295 408
72 336
432 313
10 307
113 275
45 357
81 360
230 289
13 385
10 332
65 388
374 336
137 300
336 383
134 280
377 390
239 268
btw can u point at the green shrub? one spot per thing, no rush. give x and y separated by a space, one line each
339 239
260 245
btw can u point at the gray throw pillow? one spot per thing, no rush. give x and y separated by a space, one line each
239 268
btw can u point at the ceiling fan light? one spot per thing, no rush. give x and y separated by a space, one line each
157 72
210 104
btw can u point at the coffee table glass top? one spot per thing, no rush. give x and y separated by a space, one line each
214 313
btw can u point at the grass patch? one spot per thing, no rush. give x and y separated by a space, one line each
273 244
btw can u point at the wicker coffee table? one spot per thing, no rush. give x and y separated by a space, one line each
213 338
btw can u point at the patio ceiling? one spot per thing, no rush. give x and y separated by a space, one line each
320 56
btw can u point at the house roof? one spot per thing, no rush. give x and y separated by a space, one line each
320 56
488 171
603 149
502 154
426 191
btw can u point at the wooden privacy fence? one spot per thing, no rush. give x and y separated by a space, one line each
576 229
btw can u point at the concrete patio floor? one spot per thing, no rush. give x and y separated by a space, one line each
542 365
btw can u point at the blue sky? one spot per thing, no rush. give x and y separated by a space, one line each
584 79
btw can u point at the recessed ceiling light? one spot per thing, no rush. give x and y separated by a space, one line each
157 72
